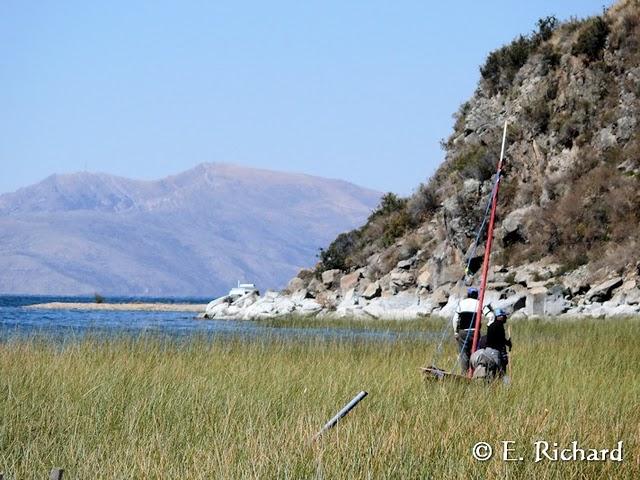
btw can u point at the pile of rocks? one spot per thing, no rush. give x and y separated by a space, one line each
410 291
253 306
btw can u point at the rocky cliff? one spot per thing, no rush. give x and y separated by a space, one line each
569 208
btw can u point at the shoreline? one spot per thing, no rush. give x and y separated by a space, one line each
146 307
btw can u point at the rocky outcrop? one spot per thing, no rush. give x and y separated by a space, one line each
349 281
569 208
401 279
514 226
296 284
373 290
603 291
331 278
253 307
520 295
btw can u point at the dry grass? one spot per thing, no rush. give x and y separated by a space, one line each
150 408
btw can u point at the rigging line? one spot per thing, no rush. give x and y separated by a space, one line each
479 311
466 271
484 221
487 252
476 241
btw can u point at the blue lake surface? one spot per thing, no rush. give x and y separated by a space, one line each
18 321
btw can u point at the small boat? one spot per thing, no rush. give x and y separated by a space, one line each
243 289
236 293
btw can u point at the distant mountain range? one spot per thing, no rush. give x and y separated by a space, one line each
195 233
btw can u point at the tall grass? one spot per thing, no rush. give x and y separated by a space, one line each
151 408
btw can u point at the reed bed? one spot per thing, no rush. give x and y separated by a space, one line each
247 408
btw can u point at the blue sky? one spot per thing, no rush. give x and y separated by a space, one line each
361 91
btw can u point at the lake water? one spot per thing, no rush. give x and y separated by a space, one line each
18 321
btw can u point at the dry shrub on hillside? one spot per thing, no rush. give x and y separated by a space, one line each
476 162
336 255
508 191
601 207
502 65
423 203
625 33
388 222
395 225
591 39
616 259
537 113
412 244
389 259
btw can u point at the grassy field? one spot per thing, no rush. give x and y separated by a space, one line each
151 408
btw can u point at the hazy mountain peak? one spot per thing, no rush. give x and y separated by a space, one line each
195 232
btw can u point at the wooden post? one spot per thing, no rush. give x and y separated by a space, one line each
346 409
56 474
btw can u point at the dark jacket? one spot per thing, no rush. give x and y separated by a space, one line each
496 337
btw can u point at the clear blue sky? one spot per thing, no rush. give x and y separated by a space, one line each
360 90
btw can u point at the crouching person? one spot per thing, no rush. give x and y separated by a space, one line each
497 338
492 358
486 363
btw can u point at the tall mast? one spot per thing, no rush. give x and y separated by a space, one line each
487 250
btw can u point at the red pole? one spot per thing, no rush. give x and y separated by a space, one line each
487 252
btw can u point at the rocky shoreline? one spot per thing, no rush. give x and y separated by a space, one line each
533 290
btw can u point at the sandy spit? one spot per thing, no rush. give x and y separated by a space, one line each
148 307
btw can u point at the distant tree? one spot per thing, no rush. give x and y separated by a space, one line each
389 203
546 27
503 64
337 253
